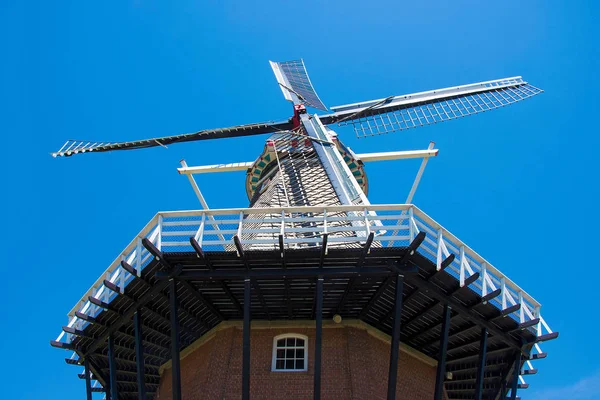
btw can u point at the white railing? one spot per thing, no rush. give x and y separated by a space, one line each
393 225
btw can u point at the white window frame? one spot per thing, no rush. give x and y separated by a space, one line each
274 355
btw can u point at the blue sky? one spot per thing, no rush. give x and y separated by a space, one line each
519 185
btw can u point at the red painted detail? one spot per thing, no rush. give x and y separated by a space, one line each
298 109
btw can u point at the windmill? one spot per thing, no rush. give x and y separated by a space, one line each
308 195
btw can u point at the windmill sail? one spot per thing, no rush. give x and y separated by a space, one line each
425 108
72 147
295 83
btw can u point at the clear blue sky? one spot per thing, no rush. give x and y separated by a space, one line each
519 185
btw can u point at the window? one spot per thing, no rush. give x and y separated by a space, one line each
290 353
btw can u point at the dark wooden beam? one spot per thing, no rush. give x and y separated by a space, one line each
441 366
548 336
323 249
436 292
191 332
538 356
282 251
515 378
112 364
240 249
415 293
175 360
376 296
366 249
456 290
88 381
160 348
62 345
275 273
246 342
139 355
73 361
232 298
395 342
197 248
126 317
318 339
403 261
261 299
481 364
201 299
351 282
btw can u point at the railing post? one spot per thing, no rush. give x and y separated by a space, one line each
440 250
411 231
522 309
367 225
159 236
462 266
503 292
483 279
536 314
138 256
240 225
200 233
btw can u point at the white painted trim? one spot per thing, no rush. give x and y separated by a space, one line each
274 352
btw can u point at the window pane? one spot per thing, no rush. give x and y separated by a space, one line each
299 353
289 364
299 364
291 341
281 343
299 342
279 364
280 353
289 353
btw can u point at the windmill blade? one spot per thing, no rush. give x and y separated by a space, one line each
418 109
295 83
72 147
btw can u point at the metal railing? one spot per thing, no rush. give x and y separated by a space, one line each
394 225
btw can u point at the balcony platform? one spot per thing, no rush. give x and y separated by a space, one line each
357 250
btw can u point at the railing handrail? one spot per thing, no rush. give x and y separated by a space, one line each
280 214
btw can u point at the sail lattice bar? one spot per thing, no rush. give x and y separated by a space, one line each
425 108
292 75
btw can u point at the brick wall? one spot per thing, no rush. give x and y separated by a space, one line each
355 366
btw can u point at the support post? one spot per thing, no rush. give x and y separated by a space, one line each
441 366
246 343
114 390
175 361
395 345
139 355
481 364
318 338
515 380
88 382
